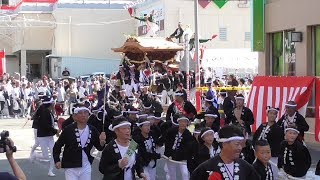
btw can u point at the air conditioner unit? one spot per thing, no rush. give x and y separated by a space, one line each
244 4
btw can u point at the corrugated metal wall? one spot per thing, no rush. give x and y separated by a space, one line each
81 66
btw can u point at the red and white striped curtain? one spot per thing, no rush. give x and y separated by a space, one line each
276 91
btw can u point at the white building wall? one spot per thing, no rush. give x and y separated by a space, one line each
92 33
211 18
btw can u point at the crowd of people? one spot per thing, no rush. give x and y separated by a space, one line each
142 113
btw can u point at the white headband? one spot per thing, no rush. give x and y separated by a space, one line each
115 117
123 123
78 109
211 115
178 94
140 124
48 102
239 98
146 107
206 132
132 99
211 100
292 129
272 109
234 138
142 115
290 105
182 118
196 132
151 117
132 112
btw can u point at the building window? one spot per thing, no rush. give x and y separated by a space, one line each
247 36
283 54
316 49
223 33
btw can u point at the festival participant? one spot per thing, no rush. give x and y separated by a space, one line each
208 148
151 25
241 115
177 34
46 130
271 132
294 158
132 117
247 152
262 165
293 117
78 140
147 149
178 142
192 161
226 104
70 119
119 159
227 165
182 107
211 120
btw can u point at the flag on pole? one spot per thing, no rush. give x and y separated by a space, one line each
276 91
2 62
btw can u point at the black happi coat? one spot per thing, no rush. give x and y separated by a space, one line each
70 140
145 156
274 135
203 153
94 121
214 126
247 152
295 159
299 120
183 148
227 106
192 161
45 123
156 131
265 173
109 163
215 165
246 116
188 108
67 122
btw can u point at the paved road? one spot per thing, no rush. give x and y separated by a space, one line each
23 138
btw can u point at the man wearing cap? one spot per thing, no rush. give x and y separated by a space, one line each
293 117
227 165
78 140
119 161
182 107
241 115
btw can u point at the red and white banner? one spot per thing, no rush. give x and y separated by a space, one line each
317 122
276 91
2 62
